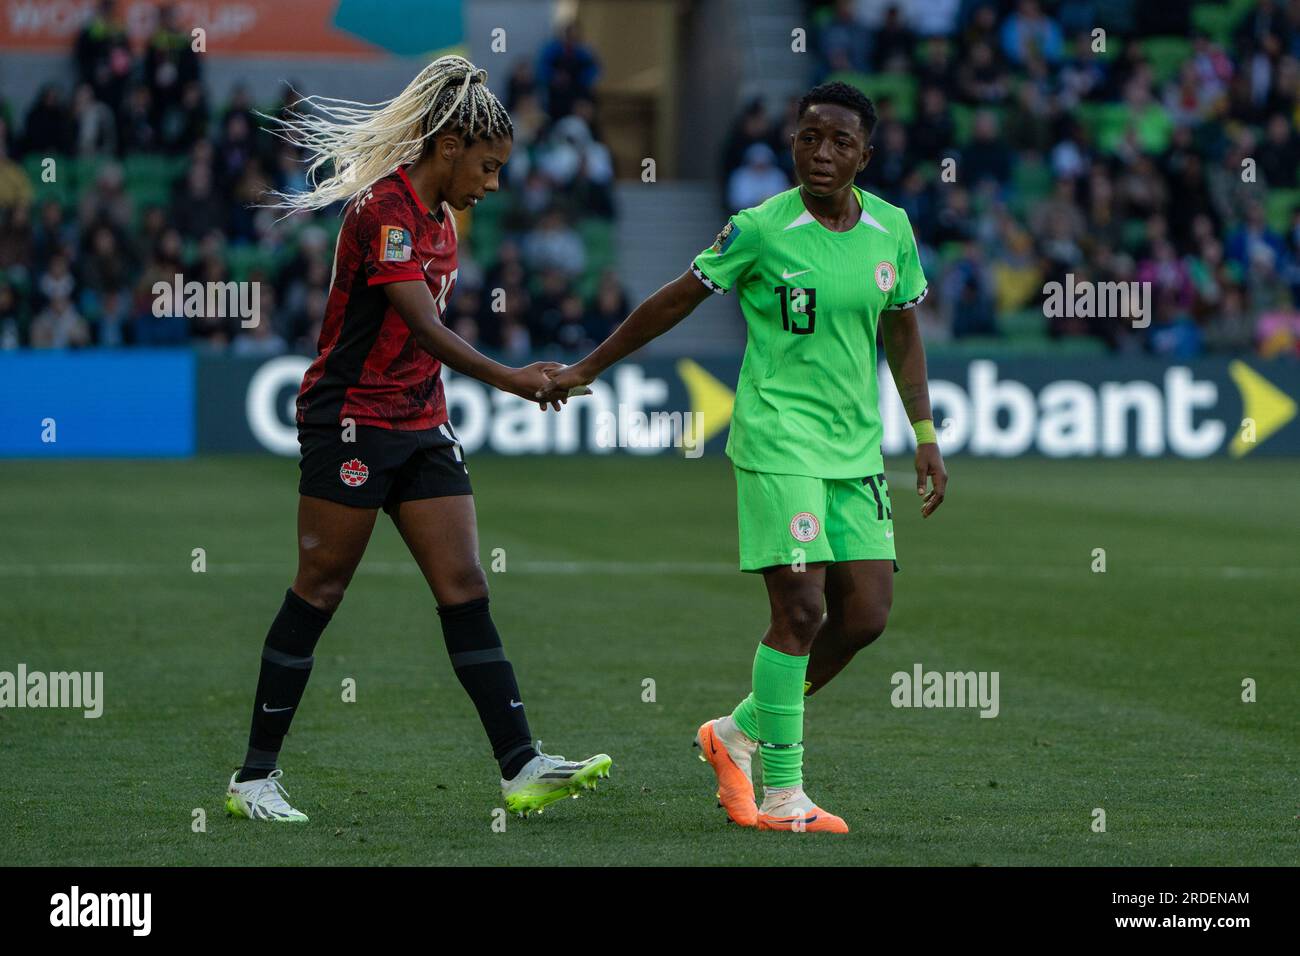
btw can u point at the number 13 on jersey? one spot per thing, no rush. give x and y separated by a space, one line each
798 309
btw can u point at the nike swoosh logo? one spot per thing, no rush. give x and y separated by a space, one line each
791 275
796 819
426 265
274 710
516 703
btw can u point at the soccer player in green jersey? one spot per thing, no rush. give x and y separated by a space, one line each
817 268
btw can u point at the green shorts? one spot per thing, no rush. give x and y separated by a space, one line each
788 518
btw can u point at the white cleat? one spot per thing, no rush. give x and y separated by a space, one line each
546 778
261 800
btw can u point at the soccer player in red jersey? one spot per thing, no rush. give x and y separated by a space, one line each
372 419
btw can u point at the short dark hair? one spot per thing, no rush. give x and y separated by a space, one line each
841 94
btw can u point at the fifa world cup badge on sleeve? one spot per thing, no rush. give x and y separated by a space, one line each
396 244
724 238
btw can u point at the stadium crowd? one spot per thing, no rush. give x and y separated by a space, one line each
1166 153
1024 147
151 179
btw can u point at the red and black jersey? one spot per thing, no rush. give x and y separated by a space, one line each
369 367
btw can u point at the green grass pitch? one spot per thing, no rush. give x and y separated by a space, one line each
1120 691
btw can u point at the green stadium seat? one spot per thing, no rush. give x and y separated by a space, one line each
1167 55
598 237
241 259
62 190
1216 20
1024 324
900 88
1030 182
1220 19
963 120
1278 205
1133 235
84 170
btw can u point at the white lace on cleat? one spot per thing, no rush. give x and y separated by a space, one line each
262 800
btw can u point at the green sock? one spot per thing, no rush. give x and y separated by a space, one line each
773 715
745 717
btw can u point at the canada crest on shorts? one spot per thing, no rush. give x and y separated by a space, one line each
805 526
885 276
354 473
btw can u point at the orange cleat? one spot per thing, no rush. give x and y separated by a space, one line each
735 789
812 820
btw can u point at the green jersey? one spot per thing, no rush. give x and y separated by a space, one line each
807 399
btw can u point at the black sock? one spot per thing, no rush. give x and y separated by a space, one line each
480 663
286 665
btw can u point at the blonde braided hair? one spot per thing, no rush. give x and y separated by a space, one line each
366 141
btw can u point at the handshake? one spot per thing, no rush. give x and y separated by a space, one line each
547 383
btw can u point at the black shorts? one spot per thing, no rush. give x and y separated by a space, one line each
383 467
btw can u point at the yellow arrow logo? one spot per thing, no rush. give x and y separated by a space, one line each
709 396
1264 405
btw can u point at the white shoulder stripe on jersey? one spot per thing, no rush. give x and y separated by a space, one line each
806 217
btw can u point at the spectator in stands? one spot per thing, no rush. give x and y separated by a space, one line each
894 43
980 77
1029 31
1083 73
566 70
753 126
936 67
103 55
987 158
1253 246
48 130
845 43
570 333
934 135
137 129
13 331
892 161
196 207
969 294
170 63
17 243
108 201
15 187
521 83
262 340
94 124
1029 127
1280 157
104 266
185 127
554 245
579 167
608 308
59 326
759 178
